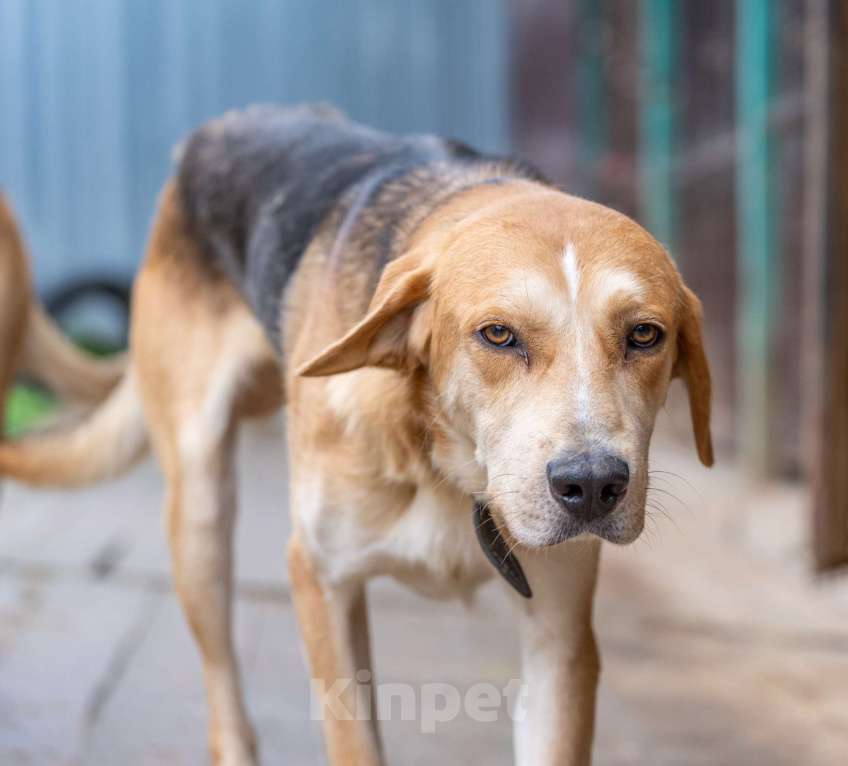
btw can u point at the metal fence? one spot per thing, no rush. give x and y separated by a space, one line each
94 93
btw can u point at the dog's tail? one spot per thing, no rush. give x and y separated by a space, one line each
112 438
70 373
106 444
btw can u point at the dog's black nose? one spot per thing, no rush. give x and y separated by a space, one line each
588 486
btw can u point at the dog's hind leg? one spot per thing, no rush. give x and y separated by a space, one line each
200 513
198 371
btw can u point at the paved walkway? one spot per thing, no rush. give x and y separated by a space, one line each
717 648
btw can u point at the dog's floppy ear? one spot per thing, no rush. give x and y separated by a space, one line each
692 366
381 339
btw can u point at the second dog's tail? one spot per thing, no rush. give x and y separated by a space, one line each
106 444
113 436
72 374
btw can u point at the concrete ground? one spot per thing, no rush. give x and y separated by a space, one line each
717 646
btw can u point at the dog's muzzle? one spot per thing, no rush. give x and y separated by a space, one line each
499 555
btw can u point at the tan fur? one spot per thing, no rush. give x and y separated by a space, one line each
104 445
693 368
397 422
334 627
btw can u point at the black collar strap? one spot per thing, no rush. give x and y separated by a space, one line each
499 555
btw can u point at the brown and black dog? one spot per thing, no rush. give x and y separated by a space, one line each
459 345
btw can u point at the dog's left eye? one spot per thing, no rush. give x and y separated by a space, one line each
498 335
644 336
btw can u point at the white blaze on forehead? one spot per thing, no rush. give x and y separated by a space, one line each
605 284
572 273
571 269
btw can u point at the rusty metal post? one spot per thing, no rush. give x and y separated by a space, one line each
826 281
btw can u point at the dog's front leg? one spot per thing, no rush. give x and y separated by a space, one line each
554 721
334 626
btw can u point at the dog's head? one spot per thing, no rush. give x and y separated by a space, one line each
550 328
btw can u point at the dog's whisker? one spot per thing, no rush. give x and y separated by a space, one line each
668 494
653 508
509 552
659 472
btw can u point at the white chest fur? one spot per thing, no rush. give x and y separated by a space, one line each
429 543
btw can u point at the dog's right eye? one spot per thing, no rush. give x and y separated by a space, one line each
498 335
644 336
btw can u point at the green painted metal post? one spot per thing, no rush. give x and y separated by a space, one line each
758 253
658 31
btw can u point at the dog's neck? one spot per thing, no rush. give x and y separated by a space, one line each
396 417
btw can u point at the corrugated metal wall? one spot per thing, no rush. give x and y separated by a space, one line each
94 93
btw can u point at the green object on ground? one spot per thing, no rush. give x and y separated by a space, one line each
25 407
